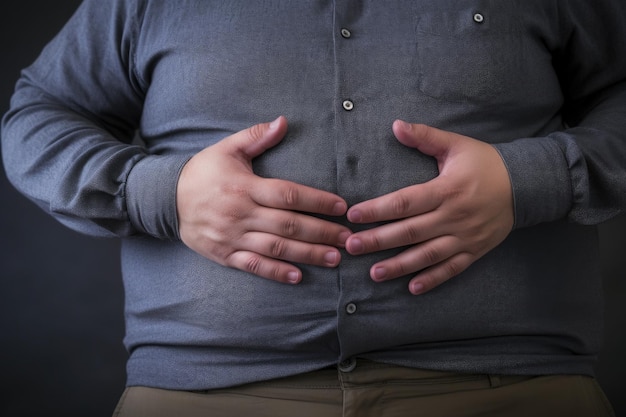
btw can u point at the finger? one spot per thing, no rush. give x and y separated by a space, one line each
296 197
264 267
277 247
410 201
297 226
416 258
438 274
397 234
426 139
253 141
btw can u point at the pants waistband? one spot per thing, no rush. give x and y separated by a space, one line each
368 373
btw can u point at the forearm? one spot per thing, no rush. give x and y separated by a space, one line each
67 138
83 174
578 173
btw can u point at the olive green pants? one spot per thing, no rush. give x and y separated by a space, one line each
377 390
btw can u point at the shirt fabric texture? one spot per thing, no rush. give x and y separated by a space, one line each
102 123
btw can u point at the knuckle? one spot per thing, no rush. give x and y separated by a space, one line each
278 248
451 269
439 274
400 269
324 234
227 259
400 205
431 255
220 236
253 264
233 189
327 235
375 243
256 132
234 215
322 205
310 257
274 273
290 227
290 196
222 254
422 130
411 234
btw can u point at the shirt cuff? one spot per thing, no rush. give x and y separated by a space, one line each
151 195
541 180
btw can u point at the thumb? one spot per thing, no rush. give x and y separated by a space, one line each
428 140
255 140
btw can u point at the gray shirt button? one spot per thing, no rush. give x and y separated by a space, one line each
346 33
348 365
479 18
351 308
348 105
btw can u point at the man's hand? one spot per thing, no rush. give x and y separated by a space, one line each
238 219
448 222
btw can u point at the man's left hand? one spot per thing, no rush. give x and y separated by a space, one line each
449 222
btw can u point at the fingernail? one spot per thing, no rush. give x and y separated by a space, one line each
339 209
331 258
293 277
274 125
355 216
403 125
356 246
380 273
416 288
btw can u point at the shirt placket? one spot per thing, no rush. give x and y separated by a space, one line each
352 273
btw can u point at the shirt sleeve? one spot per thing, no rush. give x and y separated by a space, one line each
67 140
579 173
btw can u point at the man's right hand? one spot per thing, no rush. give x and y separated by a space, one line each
228 214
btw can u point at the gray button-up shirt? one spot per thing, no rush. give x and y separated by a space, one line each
542 80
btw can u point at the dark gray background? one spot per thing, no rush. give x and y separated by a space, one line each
61 303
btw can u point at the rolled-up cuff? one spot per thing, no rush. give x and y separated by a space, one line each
151 195
540 177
